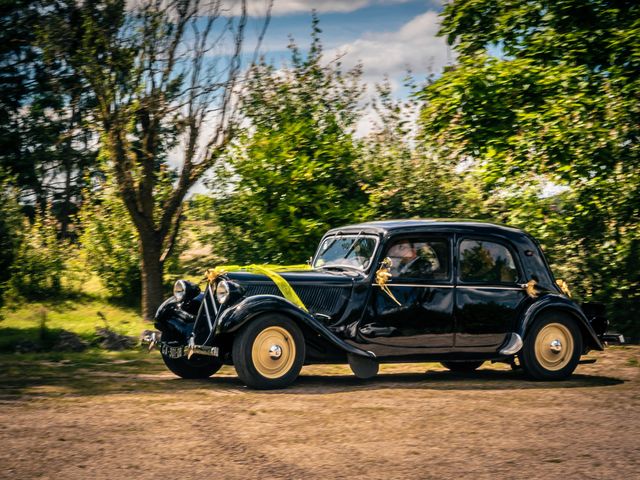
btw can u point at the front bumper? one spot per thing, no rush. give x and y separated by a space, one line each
153 339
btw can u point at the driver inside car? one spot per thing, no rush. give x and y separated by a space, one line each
409 259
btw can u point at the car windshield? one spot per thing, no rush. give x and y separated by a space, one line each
350 251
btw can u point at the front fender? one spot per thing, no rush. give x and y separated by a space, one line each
234 318
557 302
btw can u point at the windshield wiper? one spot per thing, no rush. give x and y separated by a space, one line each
353 245
340 267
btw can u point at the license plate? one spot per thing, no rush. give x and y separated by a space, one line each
172 352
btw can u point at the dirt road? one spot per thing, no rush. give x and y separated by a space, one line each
132 419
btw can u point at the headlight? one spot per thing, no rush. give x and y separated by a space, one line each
222 291
185 291
179 290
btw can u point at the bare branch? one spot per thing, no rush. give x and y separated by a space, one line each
172 238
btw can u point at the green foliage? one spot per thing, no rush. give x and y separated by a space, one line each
291 175
558 105
10 225
110 243
402 176
39 266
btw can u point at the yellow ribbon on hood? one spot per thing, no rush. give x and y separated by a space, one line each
270 271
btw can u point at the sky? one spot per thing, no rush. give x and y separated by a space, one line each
387 36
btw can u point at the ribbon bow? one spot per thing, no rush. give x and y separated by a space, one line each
383 275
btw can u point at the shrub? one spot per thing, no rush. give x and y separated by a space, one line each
38 265
110 243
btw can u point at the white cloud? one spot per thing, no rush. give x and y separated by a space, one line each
415 46
288 7
258 8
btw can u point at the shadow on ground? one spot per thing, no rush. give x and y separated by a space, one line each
97 376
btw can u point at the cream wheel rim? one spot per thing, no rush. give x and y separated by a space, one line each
554 346
273 352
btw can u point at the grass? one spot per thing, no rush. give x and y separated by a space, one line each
85 308
81 312
82 316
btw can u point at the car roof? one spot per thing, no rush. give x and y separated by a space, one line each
424 224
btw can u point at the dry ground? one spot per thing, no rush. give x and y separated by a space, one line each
129 418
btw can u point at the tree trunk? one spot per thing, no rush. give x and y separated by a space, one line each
152 269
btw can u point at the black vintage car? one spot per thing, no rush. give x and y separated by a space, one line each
456 292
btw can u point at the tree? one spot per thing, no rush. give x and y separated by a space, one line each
163 75
291 175
405 177
546 93
10 226
44 140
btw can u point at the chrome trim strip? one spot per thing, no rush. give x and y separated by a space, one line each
448 286
490 287
513 346
415 285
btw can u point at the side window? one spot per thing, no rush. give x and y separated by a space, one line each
486 262
420 259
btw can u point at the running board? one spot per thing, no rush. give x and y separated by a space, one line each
587 360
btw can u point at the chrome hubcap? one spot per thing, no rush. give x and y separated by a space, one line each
275 351
555 346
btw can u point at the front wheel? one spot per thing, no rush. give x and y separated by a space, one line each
552 347
198 366
269 352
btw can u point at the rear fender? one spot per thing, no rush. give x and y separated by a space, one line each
557 302
233 319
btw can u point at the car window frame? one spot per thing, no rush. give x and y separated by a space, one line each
425 237
482 238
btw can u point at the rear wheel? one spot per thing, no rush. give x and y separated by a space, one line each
462 366
552 347
269 352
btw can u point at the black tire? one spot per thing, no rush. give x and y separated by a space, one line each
544 359
468 366
256 363
198 366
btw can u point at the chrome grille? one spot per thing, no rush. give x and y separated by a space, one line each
325 300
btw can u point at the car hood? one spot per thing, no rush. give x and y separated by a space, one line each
322 292
317 277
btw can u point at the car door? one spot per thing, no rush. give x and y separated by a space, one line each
488 295
418 319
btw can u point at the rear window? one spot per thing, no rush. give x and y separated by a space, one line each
486 262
